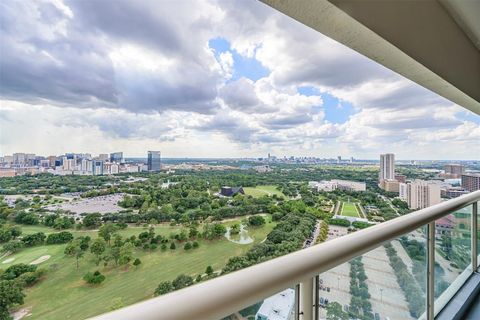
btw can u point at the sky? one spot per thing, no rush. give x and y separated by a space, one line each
206 79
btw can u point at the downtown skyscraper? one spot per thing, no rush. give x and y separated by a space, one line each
153 161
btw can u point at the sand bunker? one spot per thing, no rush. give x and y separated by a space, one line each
8 260
41 259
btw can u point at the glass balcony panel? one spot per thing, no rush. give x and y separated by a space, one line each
453 245
278 306
387 282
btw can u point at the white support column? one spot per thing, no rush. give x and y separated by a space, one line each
306 299
474 236
430 271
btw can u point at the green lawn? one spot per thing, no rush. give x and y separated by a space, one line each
260 191
64 295
349 209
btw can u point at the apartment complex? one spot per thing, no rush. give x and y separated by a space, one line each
387 167
471 182
453 171
420 194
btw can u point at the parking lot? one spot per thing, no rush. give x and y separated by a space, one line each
101 204
387 298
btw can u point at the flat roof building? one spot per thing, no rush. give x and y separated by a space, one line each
277 307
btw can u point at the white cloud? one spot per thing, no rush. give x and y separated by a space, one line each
84 76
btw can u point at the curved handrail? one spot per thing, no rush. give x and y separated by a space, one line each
219 297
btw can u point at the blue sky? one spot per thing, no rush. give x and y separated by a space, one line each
243 66
221 79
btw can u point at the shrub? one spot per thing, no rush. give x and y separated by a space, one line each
163 287
94 278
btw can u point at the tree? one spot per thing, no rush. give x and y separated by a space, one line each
137 262
10 294
92 220
13 246
164 287
115 254
335 312
107 230
172 246
94 278
34 239
73 250
187 246
182 281
126 253
195 245
17 270
60 237
98 248
256 221
84 242
235 229
209 271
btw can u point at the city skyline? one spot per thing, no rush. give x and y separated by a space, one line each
251 81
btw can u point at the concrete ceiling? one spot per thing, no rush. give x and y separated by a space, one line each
433 43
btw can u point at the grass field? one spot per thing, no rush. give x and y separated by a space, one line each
64 295
260 191
350 210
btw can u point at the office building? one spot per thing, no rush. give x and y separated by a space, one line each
19 158
420 194
116 157
103 157
454 170
97 167
387 167
471 182
153 161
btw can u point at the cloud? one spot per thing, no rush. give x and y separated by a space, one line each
128 74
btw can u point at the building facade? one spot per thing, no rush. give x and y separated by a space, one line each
420 194
153 161
471 182
454 170
387 167
116 157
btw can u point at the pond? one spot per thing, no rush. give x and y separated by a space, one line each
241 238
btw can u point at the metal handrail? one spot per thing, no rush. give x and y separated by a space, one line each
219 297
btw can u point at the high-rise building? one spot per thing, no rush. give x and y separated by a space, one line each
420 194
103 157
454 170
97 167
116 157
471 182
387 167
52 159
153 161
19 158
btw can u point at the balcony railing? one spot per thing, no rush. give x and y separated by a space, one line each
225 295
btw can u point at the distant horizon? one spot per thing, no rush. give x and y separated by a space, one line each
346 158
